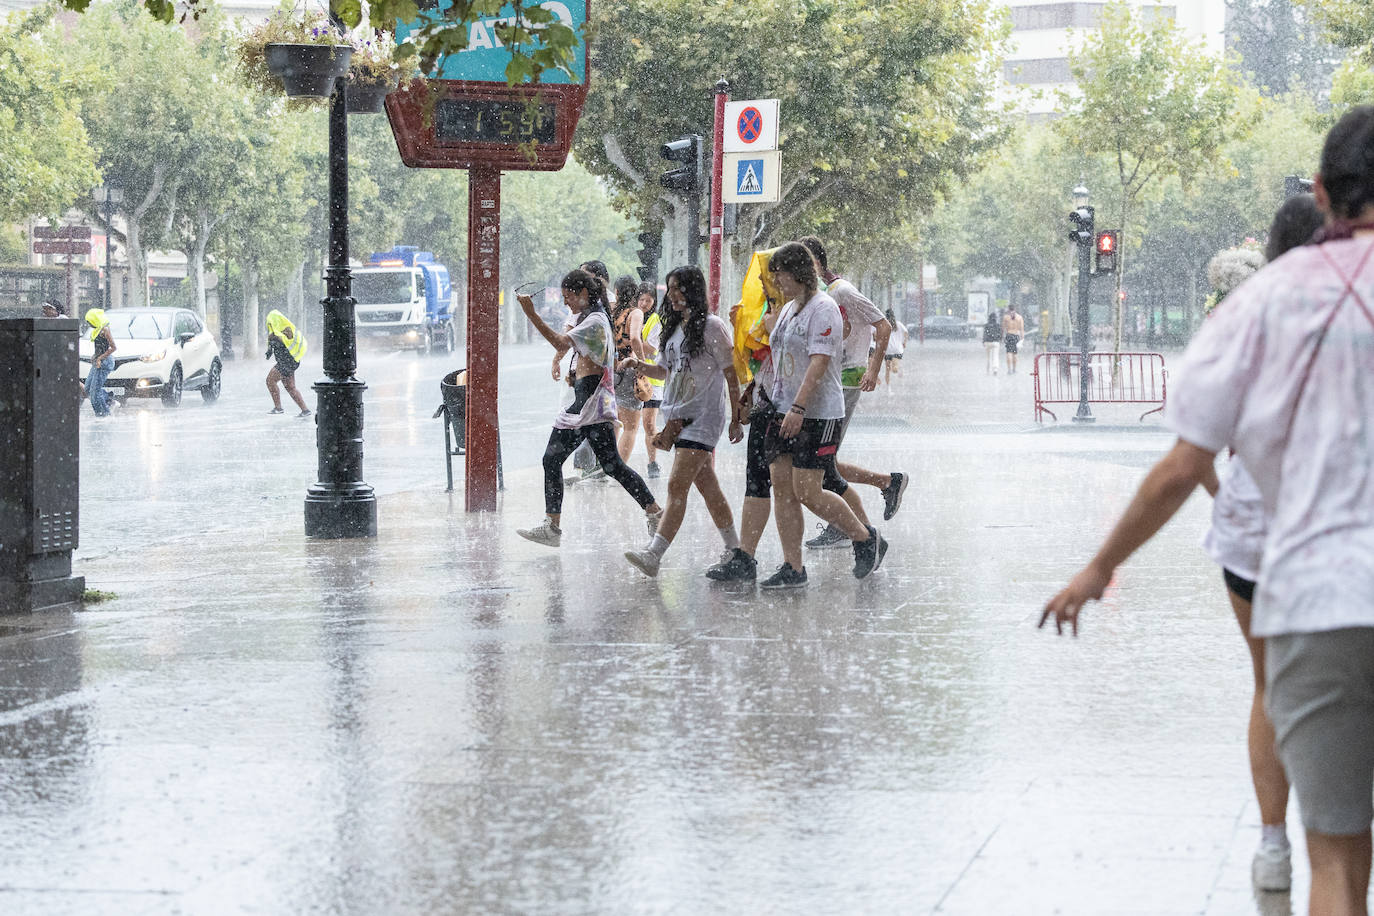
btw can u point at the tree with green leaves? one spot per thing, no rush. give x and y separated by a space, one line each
46 158
1348 23
1154 103
1281 47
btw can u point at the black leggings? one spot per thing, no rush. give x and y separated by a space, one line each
601 437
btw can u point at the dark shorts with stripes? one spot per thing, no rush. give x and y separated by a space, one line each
812 449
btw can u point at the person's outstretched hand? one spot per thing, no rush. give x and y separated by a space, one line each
1087 586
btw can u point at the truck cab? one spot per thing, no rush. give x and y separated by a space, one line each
404 298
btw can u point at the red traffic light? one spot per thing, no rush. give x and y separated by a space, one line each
1106 242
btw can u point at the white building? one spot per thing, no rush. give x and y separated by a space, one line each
1044 31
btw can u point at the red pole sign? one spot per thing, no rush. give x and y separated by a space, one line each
484 337
717 196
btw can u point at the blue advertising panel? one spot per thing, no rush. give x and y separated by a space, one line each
485 58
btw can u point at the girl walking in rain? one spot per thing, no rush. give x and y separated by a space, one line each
286 345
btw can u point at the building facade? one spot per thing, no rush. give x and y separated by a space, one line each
1045 31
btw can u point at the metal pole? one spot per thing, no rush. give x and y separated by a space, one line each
1085 414
717 195
921 299
340 505
109 243
483 430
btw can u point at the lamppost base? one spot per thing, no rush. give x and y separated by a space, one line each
1088 419
348 511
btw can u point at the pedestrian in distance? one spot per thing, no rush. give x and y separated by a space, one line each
992 341
632 389
807 344
867 336
102 361
1013 328
591 415
285 345
700 400
651 336
52 308
1275 374
1235 541
896 347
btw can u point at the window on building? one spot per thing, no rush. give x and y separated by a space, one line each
1075 15
1051 70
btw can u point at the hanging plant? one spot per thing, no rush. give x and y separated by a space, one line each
293 53
377 68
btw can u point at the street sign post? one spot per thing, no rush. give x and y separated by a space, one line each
466 116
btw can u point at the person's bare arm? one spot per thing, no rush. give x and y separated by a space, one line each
1163 491
636 332
881 332
561 342
659 373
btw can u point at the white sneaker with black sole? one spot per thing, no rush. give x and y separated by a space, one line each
546 533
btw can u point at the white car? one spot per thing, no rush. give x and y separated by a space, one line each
160 352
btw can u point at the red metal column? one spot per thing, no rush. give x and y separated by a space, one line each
717 196
484 336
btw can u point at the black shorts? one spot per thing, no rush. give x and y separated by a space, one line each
893 356
1011 340
812 449
652 405
757 481
286 367
1241 587
695 446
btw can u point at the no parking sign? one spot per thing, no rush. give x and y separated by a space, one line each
751 126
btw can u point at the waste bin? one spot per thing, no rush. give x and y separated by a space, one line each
454 388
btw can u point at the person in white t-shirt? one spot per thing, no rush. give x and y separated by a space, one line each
896 349
1283 373
1236 542
867 334
700 399
802 438
591 415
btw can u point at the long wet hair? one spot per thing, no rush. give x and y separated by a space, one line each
626 294
578 280
796 259
692 282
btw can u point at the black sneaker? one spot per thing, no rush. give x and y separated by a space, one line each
785 577
830 537
892 495
739 567
868 555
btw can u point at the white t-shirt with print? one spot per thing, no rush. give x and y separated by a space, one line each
862 314
1236 539
695 389
591 337
1283 372
815 329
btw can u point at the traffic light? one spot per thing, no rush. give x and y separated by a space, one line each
1108 240
686 178
1082 221
651 245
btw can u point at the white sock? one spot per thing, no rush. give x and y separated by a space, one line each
1274 835
657 547
728 535
552 523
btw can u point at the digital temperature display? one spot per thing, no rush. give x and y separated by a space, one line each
494 121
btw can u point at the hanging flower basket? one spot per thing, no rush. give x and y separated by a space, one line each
367 92
308 71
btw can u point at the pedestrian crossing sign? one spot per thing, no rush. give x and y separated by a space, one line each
752 178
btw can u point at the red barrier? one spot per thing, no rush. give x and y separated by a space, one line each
1113 378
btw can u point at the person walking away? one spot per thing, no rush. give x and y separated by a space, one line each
590 417
1275 374
861 365
102 361
286 345
651 335
700 398
1013 327
992 342
807 344
896 346
1236 542
627 324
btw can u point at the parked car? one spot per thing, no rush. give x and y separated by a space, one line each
160 352
943 326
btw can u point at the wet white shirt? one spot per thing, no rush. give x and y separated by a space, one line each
653 336
815 329
1236 539
591 337
695 389
1283 372
862 313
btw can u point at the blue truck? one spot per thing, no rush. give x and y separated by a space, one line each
404 298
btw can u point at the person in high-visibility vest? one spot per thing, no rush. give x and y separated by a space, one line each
286 345
102 361
651 335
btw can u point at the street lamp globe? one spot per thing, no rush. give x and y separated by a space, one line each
1080 196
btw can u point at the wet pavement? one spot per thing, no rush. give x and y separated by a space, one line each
449 719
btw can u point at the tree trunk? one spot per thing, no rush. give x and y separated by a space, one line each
198 259
1120 271
250 332
138 286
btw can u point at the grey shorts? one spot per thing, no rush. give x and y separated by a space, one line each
625 391
1320 697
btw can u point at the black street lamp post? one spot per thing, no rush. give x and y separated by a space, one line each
110 197
1082 235
340 504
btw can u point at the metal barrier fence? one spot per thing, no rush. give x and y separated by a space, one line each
1113 378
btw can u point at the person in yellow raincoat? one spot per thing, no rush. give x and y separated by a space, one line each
286 345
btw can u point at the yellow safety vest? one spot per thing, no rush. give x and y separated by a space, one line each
295 344
649 324
96 319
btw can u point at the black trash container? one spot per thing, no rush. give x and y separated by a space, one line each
454 388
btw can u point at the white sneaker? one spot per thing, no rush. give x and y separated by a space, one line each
643 561
546 534
651 522
1272 867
